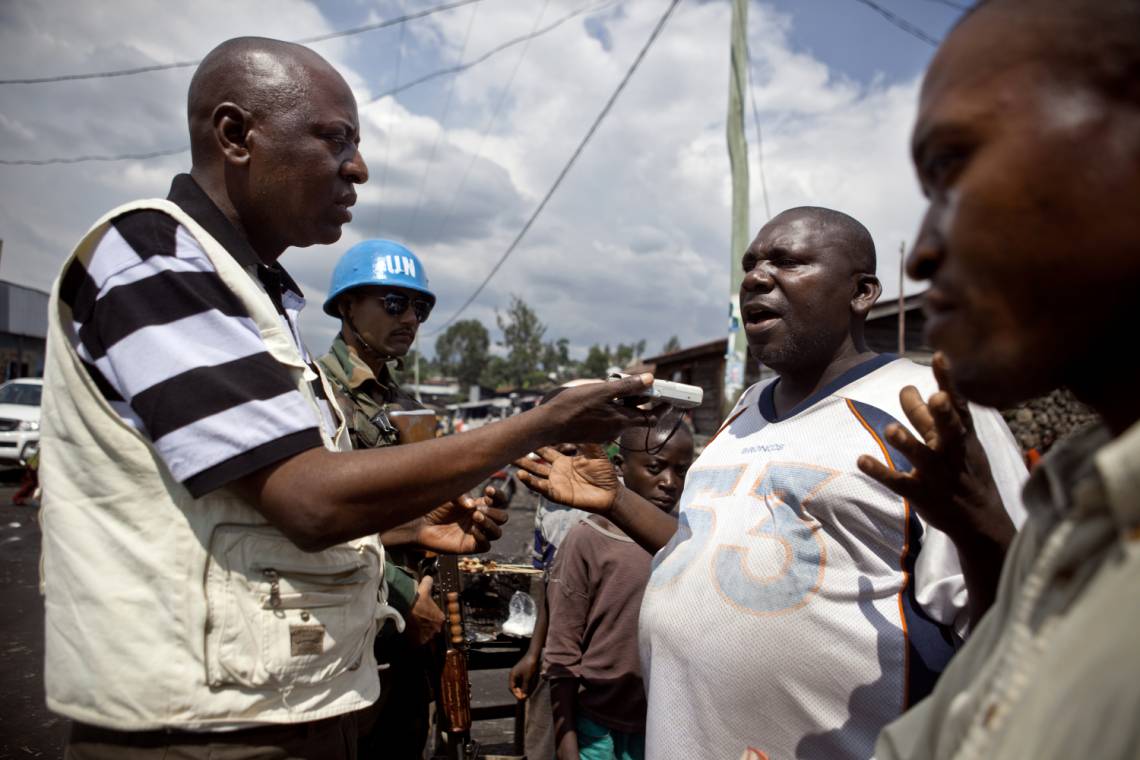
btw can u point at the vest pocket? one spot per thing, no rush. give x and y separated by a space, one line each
277 616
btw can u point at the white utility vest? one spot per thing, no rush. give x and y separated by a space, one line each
166 611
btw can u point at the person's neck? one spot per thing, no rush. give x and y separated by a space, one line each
215 187
1112 394
801 382
374 362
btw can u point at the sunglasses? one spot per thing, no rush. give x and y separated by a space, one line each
395 304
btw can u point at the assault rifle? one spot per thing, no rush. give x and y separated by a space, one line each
454 684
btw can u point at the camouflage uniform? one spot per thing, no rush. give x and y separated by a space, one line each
398 727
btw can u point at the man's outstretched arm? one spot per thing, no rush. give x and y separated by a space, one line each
588 482
319 498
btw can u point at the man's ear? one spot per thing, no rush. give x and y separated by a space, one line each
867 291
231 129
344 306
618 460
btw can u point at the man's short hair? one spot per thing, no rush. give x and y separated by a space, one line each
856 238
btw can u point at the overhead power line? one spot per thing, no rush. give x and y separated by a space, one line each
901 23
398 88
476 61
442 128
759 135
951 4
186 64
487 127
570 163
392 112
85 159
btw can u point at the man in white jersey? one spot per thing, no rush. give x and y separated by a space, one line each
799 606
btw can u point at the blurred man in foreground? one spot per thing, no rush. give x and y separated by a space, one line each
1027 146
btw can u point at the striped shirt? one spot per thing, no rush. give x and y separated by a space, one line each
176 354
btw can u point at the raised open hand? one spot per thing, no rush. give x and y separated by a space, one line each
463 525
586 480
950 485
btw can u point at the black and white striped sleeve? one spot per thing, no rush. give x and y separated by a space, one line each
176 354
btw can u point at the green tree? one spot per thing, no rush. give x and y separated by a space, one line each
494 373
522 337
597 362
556 361
428 368
462 351
671 345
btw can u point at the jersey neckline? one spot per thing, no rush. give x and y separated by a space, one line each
767 401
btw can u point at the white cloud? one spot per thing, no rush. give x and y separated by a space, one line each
634 245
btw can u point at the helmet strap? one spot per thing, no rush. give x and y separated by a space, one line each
368 347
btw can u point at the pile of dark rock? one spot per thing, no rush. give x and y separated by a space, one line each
1041 422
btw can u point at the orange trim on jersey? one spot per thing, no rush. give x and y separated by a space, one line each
754 754
728 422
902 557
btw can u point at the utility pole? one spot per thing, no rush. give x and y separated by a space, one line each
735 352
902 299
417 368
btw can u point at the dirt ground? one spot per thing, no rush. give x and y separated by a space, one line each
29 730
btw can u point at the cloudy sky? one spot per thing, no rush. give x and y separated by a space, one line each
634 245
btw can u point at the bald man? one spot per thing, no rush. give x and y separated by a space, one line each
211 567
799 606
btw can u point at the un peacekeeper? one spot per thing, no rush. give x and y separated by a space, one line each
380 294
211 567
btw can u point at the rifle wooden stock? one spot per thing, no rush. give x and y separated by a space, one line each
455 691
454 683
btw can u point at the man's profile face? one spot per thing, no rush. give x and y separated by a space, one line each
305 163
795 298
1030 237
388 334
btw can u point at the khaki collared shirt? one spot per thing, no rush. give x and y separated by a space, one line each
1053 669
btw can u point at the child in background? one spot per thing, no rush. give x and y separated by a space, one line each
594 596
552 522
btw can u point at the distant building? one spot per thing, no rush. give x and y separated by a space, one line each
23 330
703 365
882 331
434 391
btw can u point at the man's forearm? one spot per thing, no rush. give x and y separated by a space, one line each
320 498
406 534
642 521
563 693
541 623
982 557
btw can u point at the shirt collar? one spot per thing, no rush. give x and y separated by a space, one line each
1091 471
358 373
190 196
1118 463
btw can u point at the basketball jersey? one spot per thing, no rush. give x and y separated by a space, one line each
801 606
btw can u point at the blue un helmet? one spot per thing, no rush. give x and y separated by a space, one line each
376 262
